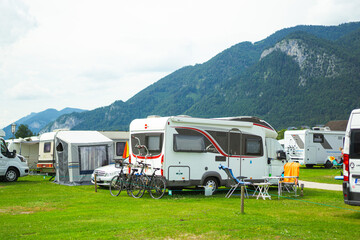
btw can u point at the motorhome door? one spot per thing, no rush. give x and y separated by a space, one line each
234 151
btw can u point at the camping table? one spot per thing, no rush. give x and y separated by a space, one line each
262 190
280 183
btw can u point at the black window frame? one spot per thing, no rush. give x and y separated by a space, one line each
175 136
46 144
318 136
353 146
116 148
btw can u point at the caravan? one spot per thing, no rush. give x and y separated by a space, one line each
189 150
26 147
313 147
351 166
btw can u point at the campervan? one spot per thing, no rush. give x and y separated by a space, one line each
12 165
28 148
313 146
46 160
351 165
189 150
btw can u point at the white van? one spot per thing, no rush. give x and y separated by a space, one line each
12 165
351 164
189 150
313 146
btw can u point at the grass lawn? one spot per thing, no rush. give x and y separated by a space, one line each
319 174
34 208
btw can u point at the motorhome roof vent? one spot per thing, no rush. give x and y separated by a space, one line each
321 129
184 116
154 116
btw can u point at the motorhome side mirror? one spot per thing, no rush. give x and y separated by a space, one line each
280 155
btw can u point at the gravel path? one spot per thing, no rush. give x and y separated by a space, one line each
325 186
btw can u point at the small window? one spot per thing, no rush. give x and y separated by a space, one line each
318 138
253 146
47 147
120 146
59 147
189 143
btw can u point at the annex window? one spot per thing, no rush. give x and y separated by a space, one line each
252 145
318 138
188 140
47 147
355 144
91 157
120 146
152 141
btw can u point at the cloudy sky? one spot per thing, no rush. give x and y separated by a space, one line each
90 53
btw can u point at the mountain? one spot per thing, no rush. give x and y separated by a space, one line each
37 121
304 75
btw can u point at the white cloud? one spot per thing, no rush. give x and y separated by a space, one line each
89 53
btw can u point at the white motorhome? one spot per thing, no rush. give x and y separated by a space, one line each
351 164
12 165
313 146
189 150
26 147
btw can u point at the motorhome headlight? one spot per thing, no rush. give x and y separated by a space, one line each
22 158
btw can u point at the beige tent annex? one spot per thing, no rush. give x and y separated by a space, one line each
78 153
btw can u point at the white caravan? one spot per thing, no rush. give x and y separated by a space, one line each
351 165
313 147
12 165
26 147
189 150
119 138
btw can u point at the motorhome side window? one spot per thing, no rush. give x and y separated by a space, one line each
120 146
252 145
188 140
152 141
318 138
47 147
355 144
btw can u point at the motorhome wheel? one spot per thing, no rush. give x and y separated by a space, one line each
328 164
211 181
11 175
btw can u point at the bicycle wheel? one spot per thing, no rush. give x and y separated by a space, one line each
157 187
136 187
116 186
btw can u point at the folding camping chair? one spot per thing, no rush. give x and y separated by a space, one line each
289 182
235 182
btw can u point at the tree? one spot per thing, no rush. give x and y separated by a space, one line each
23 132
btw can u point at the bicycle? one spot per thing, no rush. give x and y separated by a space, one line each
131 182
154 184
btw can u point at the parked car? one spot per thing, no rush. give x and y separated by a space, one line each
105 174
12 165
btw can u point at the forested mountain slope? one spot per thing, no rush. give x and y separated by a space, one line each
301 75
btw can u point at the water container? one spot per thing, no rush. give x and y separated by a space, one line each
208 190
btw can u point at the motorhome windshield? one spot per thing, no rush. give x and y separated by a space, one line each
152 141
3 147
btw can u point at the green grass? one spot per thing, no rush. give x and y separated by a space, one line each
34 208
319 174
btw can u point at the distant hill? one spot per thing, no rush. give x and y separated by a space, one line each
37 121
305 75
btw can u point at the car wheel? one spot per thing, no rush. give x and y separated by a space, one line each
11 175
328 164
